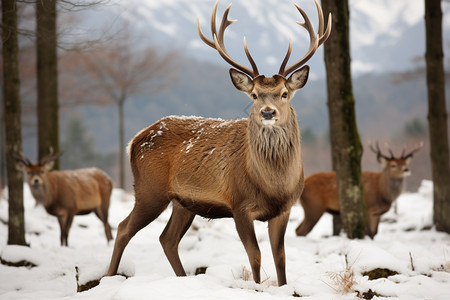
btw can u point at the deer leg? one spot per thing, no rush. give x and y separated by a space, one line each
277 229
67 227
312 216
246 231
64 220
179 222
102 214
373 225
143 213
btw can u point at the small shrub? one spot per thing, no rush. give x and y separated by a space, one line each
343 282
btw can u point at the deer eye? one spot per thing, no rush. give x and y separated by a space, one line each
393 166
285 95
254 96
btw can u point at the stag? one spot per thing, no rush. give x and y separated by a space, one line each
65 194
248 169
381 189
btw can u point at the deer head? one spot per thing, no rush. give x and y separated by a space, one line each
36 172
271 96
395 167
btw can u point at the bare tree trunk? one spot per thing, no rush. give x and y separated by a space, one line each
337 224
121 145
2 148
47 78
345 143
11 97
437 115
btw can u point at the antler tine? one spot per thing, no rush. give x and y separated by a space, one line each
250 59
403 151
223 26
21 157
50 157
315 40
411 153
389 149
218 41
377 151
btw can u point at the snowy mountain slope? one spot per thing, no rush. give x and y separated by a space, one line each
385 35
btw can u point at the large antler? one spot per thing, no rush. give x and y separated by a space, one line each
50 157
218 43
411 153
20 157
315 40
377 151
403 156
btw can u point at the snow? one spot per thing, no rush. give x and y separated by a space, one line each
315 264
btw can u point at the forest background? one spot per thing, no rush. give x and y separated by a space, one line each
388 66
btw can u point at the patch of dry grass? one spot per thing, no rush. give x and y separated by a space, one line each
247 275
342 282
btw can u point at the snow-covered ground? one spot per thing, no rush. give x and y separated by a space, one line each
318 266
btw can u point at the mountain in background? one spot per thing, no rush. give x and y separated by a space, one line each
386 35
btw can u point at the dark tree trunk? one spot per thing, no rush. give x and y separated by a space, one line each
2 148
121 145
11 98
437 115
47 78
337 224
345 143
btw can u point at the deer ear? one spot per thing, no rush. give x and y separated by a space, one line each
382 161
298 79
49 165
241 81
408 160
20 166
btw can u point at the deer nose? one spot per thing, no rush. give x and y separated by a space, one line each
268 114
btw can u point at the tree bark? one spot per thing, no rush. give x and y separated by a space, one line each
2 148
11 99
47 78
121 144
345 143
437 115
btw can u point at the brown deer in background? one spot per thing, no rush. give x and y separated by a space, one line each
381 189
65 194
248 169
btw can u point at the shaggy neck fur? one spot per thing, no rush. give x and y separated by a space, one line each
274 157
393 187
40 193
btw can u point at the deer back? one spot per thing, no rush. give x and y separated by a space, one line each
74 190
321 191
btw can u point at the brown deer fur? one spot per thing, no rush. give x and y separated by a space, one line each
215 168
381 189
65 194
248 169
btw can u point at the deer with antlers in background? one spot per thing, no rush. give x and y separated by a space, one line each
65 194
248 169
381 189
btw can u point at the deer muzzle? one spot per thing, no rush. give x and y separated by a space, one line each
268 116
